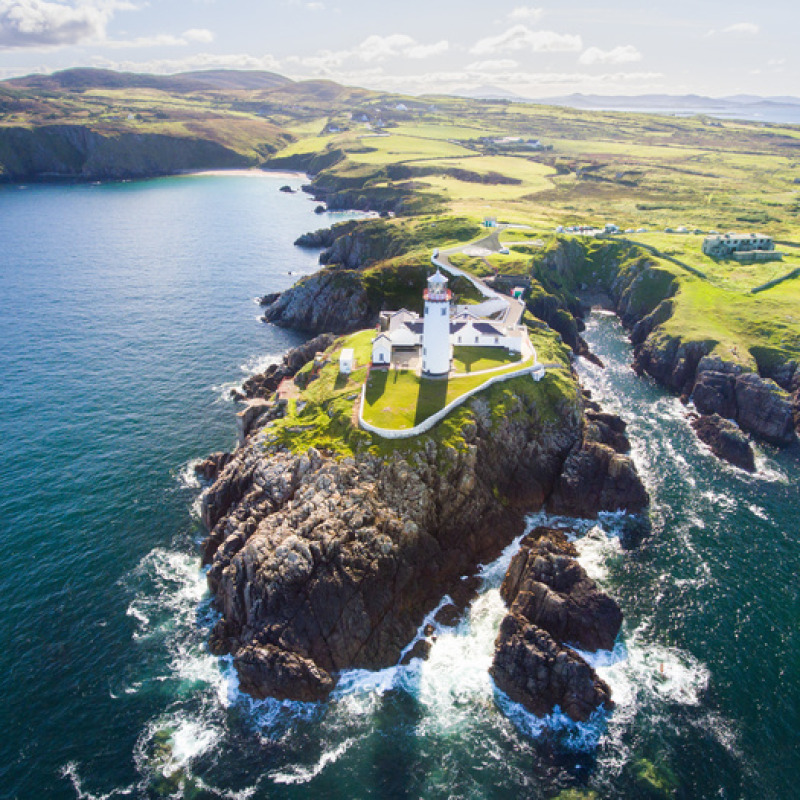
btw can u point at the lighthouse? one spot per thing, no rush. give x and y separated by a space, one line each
436 350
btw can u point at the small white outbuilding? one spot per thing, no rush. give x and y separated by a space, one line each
346 361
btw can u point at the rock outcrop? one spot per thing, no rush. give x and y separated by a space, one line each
595 476
534 670
319 564
210 467
265 383
552 602
725 440
550 589
757 404
330 300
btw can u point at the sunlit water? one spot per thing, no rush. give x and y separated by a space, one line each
126 312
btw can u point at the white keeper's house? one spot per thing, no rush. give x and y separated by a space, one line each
407 339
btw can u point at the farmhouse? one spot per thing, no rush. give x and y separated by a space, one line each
743 247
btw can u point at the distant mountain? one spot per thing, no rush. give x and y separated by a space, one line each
210 80
491 93
752 107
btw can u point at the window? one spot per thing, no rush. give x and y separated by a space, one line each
476 340
497 340
424 351
459 340
444 311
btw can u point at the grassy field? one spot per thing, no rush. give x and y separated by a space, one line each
474 359
439 153
399 399
324 415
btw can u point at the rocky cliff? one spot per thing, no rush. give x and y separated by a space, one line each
320 563
372 266
77 152
765 404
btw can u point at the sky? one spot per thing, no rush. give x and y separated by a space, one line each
425 46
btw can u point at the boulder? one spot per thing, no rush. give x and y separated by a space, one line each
597 478
268 671
536 671
552 591
725 440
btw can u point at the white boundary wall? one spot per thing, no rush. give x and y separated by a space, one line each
535 370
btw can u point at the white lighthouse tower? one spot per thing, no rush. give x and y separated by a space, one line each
436 349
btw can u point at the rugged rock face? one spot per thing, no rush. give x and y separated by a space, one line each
552 591
759 405
319 564
725 440
608 429
209 468
534 670
330 300
595 476
265 383
551 601
764 409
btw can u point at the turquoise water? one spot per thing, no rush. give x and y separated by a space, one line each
125 312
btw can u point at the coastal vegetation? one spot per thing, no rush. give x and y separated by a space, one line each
441 166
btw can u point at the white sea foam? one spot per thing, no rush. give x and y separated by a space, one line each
594 550
298 774
187 477
70 772
758 511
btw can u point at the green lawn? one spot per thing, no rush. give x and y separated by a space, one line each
400 400
475 359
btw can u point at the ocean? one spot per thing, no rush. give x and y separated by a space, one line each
127 312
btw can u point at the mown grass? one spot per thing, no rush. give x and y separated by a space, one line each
473 359
398 399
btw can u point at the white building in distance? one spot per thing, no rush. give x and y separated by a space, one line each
725 245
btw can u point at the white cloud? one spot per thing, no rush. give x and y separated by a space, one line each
196 61
624 54
749 28
737 29
495 65
192 36
526 13
315 6
198 35
39 23
373 50
520 37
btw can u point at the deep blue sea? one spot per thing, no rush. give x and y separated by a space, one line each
126 311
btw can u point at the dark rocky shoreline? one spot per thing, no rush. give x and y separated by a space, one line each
319 564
